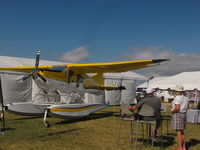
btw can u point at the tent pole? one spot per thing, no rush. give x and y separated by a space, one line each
2 107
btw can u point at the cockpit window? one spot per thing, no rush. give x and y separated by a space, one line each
58 68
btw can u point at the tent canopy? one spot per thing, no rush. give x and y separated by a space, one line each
189 80
7 61
150 82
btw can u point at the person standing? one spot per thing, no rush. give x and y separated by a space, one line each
179 108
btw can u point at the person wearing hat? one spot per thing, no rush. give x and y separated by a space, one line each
154 102
179 108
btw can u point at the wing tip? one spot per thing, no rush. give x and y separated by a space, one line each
160 60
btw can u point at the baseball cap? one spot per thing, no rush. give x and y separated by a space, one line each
149 90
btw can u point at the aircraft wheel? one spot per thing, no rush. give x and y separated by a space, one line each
47 124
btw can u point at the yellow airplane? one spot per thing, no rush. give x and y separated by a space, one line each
79 72
89 75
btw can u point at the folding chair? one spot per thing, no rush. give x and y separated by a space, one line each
146 111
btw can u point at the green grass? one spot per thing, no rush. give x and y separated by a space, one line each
98 131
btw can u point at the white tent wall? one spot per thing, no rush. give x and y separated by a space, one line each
14 90
95 97
120 96
189 80
128 95
39 96
113 97
127 79
165 95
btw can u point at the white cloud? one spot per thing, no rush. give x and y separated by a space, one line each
179 62
75 55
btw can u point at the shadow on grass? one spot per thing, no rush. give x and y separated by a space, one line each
90 117
29 117
192 143
60 132
167 141
8 129
164 141
116 115
170 140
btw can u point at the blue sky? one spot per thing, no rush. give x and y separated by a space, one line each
101 30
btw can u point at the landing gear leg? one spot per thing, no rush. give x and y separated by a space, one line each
46 124
2 130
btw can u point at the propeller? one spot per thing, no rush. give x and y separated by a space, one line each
37 61
36 70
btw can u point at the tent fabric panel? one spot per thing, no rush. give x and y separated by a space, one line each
14 90
113 97
128 95
95 97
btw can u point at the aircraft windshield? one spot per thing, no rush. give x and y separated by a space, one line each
58 68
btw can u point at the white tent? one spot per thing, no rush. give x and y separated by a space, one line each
151 82
127 79
7 61
14 90
189 80
159 93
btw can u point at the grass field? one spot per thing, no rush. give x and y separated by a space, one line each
96 132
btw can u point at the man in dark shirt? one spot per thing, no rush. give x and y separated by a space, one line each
152 101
